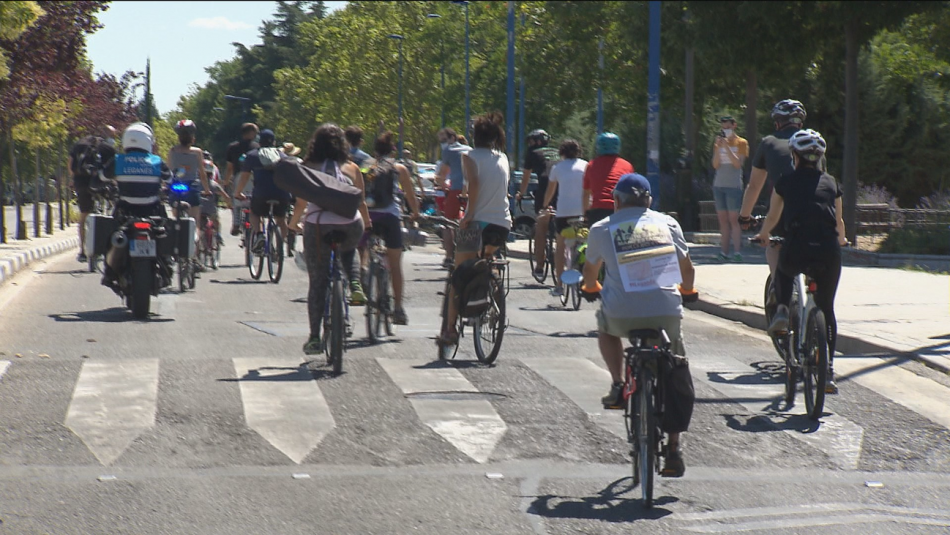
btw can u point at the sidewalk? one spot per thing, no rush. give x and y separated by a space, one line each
879 310
17 254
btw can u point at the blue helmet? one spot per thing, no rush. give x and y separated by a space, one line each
608 143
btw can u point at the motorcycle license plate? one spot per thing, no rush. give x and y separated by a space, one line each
142 248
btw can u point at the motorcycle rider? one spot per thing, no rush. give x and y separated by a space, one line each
139 175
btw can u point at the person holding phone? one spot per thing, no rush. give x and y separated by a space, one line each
729 155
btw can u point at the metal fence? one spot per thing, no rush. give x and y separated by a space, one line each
882 218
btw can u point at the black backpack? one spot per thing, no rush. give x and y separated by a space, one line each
381 185
89 162
678 393
472 283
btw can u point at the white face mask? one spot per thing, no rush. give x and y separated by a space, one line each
727 131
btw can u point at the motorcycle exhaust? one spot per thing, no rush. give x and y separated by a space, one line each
118 255
120 240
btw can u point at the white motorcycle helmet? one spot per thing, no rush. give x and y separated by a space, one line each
138 136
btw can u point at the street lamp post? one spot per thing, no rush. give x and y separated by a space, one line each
511 79
244 101
468 111
600 89
399 39
442 55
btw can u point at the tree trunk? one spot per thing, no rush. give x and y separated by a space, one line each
751 121
17 191
686 174
36 194
3 207
850 164
49 206
59 191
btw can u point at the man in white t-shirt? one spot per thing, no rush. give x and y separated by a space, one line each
631 239
567 177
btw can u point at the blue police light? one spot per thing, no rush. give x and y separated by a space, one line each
179 187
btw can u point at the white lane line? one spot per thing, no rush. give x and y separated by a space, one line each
919 394
113 403
837 437
283 404
4 364
815 521
584 383
471 425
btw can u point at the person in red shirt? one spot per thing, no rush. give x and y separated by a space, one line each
601 176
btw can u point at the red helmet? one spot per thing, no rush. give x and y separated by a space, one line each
187 126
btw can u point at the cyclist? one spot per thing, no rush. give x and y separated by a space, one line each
235 156
209 205
538 159
139 175
354 136
451 169
100 148
328 153
381 183
601 176
567 181
772 160
807 202
631 303
190 159
486 172
264 190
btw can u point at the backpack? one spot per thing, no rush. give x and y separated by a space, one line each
678 394
328 192
89 162
269 157
472 282
381 185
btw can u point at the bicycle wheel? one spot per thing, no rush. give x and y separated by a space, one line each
371 311
790 346
815 363
576 296
190 279
384 300
274 252
256 263
778 342
489 328
336 325
531 264
445 351
183 268
631 419
646 434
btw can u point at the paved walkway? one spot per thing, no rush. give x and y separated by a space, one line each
17 254
879 310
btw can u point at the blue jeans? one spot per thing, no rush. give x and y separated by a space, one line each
728 199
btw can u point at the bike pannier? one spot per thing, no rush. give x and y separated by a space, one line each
472 283
324 190
678 394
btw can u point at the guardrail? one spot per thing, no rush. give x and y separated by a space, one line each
881 218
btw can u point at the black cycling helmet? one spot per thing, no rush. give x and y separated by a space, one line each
207 155
539 135
788 111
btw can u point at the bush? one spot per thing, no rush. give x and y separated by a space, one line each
917 241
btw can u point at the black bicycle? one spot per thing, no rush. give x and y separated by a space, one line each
547 265
272 250
177 193
488 328
379 299
336 314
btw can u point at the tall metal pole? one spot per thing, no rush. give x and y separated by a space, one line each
468 111
148 91
521 117
600 90
399 155
653 104
511 78
442 51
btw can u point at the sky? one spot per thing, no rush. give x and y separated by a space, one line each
181 38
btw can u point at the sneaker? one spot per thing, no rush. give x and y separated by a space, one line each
357 297
82 258
737 257
779 325
614 398
447 262
557 291
258 246
673 466
399 317
220 239
235 230
721 257
831 387
313 346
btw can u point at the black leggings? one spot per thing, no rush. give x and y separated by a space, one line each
826 270
317 254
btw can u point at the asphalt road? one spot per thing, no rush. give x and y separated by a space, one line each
209 419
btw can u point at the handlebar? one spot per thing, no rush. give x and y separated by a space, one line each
439 219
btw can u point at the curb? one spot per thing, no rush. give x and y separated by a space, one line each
847 344
12 265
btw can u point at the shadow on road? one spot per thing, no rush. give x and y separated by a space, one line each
293 374
73 272
108 315
458 364
547 308
239 281
767 373
607 505
771 422
562 334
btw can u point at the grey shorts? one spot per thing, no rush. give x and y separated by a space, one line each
728 199
621 327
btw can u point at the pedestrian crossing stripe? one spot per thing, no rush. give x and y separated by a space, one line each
4 364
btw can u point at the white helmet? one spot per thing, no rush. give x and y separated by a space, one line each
807 144
138 136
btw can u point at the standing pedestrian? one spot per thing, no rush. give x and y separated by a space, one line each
729 155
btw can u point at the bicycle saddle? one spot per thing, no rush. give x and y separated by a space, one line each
334 237
648 334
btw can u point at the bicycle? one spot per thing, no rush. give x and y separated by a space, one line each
272 251
186 268
571 277
488 329
548 263
642 409
104 198
805 350
336 314
210 251
379 300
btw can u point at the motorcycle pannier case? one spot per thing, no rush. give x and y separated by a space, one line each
99 230
184 238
